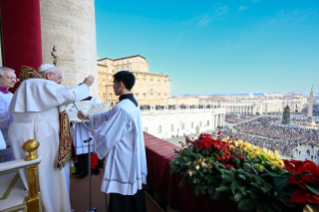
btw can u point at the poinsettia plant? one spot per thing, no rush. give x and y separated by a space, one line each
231 169
300 182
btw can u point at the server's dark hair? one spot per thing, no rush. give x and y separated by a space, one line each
126 77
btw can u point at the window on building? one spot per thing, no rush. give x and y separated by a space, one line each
136 81
117 63
151 82
158 96
159 128
207 123
192 125
183 126
158 82
117 68
111 96
128 61
172 127
110 77
145 129
165 82
151 96
136 95
123 67
104 83
104 96
103 69
110 71
103 76
128 68
144 81
200 123
110 82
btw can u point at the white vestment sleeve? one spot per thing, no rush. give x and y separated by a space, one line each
81 92
3 144
26 98
117 123
5 117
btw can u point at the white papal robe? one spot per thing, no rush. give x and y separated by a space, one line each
35 106
119 138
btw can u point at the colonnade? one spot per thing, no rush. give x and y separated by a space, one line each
251 109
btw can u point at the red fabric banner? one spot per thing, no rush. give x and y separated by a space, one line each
21 34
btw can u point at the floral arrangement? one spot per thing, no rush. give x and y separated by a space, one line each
252 177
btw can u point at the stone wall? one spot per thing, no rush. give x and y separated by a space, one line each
69 25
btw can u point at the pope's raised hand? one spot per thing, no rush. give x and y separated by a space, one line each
82 115
89 80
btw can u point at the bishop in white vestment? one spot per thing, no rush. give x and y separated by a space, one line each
118 138
36 106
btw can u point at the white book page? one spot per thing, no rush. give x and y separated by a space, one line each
73 112
99 108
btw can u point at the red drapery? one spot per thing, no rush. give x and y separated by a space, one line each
159 153
21 34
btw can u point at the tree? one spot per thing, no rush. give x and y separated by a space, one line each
286 115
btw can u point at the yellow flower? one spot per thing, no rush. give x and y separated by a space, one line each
248 146
190 172
280 162
275 158
204 165
197 166
239 143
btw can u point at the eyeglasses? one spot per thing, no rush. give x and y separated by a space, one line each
60 79
13 78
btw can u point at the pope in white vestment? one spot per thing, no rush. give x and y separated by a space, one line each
35 106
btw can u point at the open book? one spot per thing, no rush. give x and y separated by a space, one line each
85 108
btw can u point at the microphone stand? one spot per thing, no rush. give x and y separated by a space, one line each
89 155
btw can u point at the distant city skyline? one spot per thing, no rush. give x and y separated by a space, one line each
218 47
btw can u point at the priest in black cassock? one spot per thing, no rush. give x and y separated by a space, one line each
118 138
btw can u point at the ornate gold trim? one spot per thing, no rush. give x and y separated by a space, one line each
9 189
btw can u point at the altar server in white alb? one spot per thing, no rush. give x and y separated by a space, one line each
80 134
119 138
7 80
38 108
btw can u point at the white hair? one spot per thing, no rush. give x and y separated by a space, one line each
50 70
5 68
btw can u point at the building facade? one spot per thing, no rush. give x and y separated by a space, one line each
168 123
149 89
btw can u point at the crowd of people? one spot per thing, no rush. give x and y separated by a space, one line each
315 108
235 118
283 147
295 118
264 126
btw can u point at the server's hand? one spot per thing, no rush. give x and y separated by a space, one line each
82 115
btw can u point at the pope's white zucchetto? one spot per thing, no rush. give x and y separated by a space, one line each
45 67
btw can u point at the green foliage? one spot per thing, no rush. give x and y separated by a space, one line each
251 189
286 115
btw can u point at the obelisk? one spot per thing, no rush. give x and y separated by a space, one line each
310 107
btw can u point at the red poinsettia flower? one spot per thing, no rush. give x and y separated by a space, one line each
303 197
228 166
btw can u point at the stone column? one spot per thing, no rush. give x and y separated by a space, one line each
70 27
